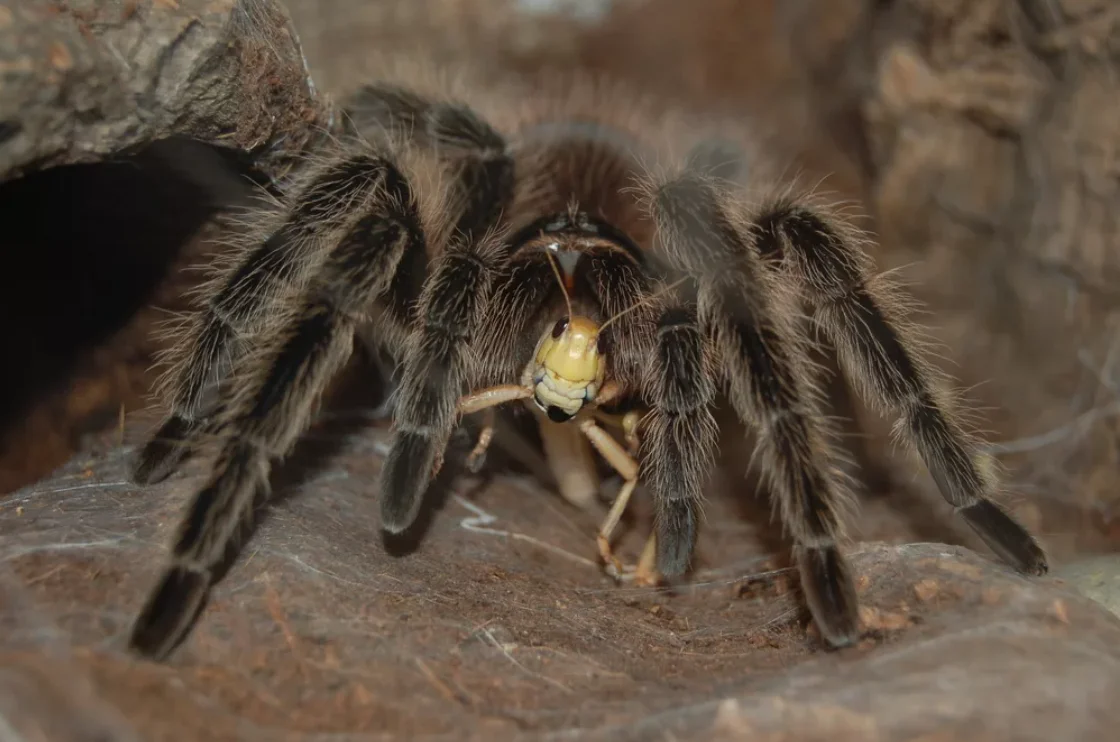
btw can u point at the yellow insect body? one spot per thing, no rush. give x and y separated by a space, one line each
568 368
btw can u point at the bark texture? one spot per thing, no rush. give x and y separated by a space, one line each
87 79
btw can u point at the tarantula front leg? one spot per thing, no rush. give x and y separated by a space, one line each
435 369
272 404
821 256
680 436
320 208
769 385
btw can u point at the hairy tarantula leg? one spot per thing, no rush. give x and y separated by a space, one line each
454 132
435 368
834 274
680 437
627 466
450 312
770 386
245 295
271 407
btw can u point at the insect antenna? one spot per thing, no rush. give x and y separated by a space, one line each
643 301
560 280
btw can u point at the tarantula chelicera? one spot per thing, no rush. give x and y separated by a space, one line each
572 249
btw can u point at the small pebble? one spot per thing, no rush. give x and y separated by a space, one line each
926 590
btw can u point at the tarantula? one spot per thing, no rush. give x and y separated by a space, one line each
441 225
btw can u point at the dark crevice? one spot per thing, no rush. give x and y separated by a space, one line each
86 246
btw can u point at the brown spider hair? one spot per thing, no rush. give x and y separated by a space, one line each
430 223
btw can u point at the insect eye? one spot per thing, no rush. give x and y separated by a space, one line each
603 344
559 327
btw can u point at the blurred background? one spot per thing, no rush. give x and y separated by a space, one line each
979 137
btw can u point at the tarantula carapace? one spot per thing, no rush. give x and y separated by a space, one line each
442 224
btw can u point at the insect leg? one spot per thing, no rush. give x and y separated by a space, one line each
627 466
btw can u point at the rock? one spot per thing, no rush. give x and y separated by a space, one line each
85 80
1097 577
988 135
496 624
113 114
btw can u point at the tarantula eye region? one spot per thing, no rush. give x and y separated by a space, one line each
560 233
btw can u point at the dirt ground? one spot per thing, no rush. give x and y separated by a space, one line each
495 622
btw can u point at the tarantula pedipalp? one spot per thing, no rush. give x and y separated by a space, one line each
437 229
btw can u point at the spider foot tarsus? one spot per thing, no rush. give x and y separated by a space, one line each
823 258
1006 537
830 594
208 539
165 451
171 610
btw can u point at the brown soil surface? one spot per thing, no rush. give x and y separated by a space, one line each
496 623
